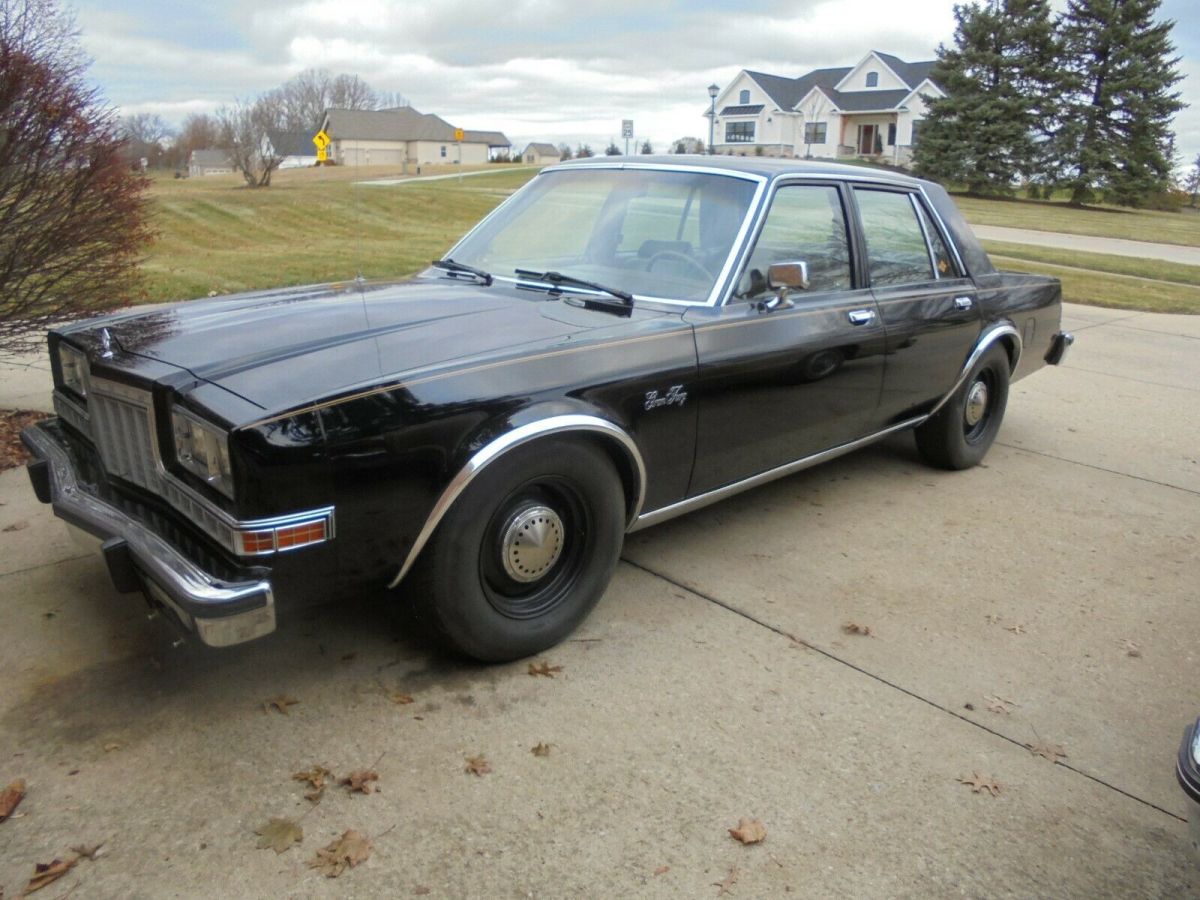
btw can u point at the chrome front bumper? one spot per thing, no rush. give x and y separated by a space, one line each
218 611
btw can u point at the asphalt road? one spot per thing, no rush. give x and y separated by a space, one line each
1058 582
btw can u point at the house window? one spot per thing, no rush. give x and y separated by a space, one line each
872 79
814 132
739 132
744 97
916 127
892 134
443 149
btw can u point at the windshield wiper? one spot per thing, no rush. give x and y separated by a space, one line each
451 266
558 279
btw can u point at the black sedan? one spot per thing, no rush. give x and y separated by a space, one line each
618 343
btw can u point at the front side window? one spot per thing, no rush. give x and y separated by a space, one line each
896 248
814 133
806 223
651 233
739 132
744 97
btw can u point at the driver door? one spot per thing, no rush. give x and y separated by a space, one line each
777 385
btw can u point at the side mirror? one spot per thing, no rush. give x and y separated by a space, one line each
782 278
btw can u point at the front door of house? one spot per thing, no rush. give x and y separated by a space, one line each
866 139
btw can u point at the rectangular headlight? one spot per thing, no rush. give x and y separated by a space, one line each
73 365
203 450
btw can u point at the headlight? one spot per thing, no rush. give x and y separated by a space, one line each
73 365
203 450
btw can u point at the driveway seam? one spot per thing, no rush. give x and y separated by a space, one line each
891 684
1175 387
1076 462
45 565
1175 334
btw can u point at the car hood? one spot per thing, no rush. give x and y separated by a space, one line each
275 348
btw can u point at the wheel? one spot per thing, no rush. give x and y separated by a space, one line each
694 264
525 553
961 432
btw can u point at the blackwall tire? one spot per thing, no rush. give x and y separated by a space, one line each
526 552
962 431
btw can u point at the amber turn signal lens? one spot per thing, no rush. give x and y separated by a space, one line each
291 536
258 541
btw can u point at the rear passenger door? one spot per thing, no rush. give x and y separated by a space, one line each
928 305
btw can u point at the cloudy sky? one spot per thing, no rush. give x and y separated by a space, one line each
535 69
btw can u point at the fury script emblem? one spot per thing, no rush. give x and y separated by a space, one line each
675 396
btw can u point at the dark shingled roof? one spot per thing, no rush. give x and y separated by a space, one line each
787 92
541 149
401 124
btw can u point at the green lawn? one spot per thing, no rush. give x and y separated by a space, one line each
1099 221
316 226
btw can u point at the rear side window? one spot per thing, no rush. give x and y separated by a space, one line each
896 248
942 260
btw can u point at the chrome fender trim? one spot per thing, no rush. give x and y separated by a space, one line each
985 342
515 438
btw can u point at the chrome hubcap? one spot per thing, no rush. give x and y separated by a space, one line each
532 544
977 399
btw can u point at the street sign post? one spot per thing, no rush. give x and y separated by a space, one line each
459 134
322 141
627 132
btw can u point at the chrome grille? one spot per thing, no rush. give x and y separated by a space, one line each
122 429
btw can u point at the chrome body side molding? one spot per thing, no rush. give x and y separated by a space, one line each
507 441
715 496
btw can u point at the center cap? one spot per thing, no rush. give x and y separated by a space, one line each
533 542
977 399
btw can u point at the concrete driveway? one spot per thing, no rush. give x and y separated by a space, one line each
1058 583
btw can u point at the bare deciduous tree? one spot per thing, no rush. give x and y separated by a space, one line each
300 103
199 131
244 134
74 215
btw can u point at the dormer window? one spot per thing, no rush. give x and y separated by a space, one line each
744 98
872 79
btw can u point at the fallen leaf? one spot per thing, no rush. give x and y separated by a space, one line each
749 831
48 873
541 749
421 890
999 705
359 781
10 798
726 886
1015 629
478 765
661 870
86 852
314 776
1046 750
280 703
279 835
1131 648
109 748
401 699
346 852
544 668
992 619
16 526
855 628
981 784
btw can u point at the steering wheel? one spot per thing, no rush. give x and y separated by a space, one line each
682 257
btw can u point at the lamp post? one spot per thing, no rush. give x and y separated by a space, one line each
713 90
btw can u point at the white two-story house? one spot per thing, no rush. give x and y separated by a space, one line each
871 110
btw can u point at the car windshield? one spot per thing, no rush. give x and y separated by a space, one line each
649 232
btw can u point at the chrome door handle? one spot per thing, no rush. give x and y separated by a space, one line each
962 302
860 316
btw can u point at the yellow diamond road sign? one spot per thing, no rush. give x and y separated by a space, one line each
321 139
459 134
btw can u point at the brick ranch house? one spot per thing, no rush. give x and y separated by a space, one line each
871 110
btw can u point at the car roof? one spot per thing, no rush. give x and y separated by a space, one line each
752 165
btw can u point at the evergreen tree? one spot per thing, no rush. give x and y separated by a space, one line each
1120 68
998 78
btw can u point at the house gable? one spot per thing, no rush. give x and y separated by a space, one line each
759 94
886 78
816 105
925 89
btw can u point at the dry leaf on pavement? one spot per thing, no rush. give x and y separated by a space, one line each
749 831
279 835
999 704
280 703
359 781
478 765
400 698
1015 629
541 749
544 668
726 886
47 873
981 784
10 798
1131 648
314 776
1046 750
662 870
86 852
855 628
347 851
16 526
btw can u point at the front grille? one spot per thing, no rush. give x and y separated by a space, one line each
121 428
